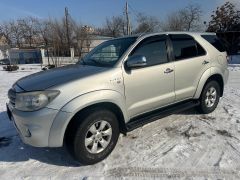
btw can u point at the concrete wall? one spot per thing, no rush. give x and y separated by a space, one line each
59 60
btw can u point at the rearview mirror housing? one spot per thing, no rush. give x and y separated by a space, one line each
136 62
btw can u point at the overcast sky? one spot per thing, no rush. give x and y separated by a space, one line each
94 12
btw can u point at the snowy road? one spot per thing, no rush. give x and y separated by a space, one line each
179 146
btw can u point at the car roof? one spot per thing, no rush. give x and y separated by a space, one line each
143 35
178 32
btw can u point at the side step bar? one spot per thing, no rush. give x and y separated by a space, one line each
141 120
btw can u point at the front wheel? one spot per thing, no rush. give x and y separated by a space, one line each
94 136
209 98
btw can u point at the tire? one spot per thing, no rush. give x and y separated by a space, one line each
85 142
209 101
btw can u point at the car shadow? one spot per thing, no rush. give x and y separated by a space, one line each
192 111
12 149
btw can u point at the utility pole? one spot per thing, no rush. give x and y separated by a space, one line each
67 26
128 20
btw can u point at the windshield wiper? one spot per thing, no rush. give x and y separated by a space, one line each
93 62
96 62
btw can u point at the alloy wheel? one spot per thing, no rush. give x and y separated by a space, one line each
211 97
98 137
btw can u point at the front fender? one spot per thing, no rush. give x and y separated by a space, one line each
67 112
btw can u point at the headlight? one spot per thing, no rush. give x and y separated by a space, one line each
32 101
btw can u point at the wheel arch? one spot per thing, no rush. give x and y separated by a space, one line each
206 77
112 100
102 105
218 78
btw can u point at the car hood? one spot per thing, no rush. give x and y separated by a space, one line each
46 79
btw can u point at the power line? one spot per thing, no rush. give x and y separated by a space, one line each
134 11
138 16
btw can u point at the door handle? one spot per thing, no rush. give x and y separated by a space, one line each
205 62
168 70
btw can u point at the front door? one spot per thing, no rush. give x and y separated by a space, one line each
150 87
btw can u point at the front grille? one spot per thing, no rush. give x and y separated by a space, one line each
12 97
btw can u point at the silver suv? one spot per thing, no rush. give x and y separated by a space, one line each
120 85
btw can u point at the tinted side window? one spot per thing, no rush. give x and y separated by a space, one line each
184 47
213 39
200 50
154 49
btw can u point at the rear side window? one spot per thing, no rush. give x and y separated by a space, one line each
154 49
200 50
215 41
184 47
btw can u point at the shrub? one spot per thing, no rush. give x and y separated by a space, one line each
10 68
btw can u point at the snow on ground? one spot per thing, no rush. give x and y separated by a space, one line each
180 146
235 59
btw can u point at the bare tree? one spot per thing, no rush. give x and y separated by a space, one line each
44 29
29 26
114 27
146 24
16 33
58 37
186 19
191 16
83 37
173 22
6 32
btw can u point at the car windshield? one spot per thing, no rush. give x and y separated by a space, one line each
108 53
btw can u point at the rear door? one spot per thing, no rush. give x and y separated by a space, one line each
191 61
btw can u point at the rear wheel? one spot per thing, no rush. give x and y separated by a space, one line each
210 97
94 136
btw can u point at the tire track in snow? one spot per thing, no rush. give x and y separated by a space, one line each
137 172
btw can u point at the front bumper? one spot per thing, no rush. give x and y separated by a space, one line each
33 127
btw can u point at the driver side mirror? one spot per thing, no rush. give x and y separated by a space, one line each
136 61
